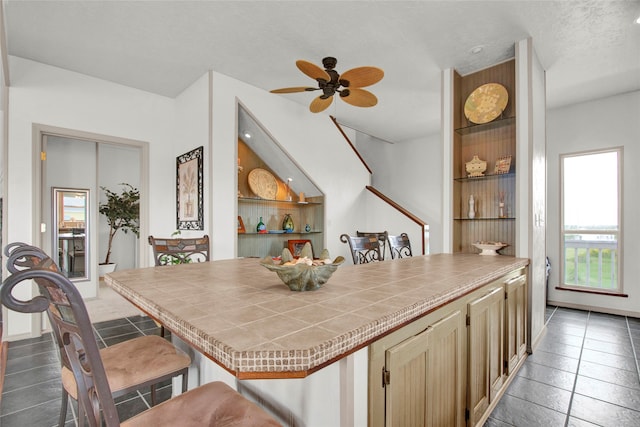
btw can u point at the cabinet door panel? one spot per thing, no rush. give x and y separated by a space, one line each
485 351
515 322
426 376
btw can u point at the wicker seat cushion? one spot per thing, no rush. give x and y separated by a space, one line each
213 404
134 362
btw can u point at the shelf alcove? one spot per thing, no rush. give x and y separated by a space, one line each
258 149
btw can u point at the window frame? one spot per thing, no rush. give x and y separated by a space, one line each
619 289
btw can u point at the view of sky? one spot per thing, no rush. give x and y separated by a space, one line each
591 191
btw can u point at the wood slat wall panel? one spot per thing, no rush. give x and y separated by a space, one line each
489 143
251 208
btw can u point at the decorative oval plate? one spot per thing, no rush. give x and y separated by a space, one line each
486 103
263 184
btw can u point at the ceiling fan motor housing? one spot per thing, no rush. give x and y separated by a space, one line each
329 62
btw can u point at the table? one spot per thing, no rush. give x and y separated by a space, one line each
242 316
239 315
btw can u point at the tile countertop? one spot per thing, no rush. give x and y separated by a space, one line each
242 316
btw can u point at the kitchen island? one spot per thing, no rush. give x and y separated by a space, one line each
239 315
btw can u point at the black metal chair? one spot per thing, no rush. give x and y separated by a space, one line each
363 249
64 305
400 246
382 240
168 251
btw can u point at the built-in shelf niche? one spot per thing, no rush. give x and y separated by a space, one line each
489 141
261 151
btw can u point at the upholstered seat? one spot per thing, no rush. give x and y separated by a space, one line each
131 364
214 404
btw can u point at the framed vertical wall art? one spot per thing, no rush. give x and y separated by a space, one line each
189 191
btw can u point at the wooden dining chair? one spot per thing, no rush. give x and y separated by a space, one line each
177 250
212 404
168 251
382 240
295 246
130 365
400 246
363 249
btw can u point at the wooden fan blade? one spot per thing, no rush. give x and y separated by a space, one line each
360 98
293 89
320 104
362 76
312 70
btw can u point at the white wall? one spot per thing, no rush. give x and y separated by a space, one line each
311 139
191 131
41 94
600 124
530 180
410 173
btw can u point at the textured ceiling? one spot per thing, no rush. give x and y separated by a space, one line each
589 48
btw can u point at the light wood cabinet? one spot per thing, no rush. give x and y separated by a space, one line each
515 321
486 336
451 366
424 374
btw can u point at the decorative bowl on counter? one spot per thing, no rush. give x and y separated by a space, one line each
304 273
489 248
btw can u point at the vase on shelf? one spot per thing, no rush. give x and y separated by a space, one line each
472 207
261 228
287 223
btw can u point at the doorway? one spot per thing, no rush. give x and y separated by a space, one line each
79 160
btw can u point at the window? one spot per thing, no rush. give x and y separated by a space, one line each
591 207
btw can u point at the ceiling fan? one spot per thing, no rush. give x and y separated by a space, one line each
347 84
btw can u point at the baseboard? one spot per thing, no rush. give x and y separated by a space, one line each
595 309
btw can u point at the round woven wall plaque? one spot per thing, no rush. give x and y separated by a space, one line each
263 184
486 103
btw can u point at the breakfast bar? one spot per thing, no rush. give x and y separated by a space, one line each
240 316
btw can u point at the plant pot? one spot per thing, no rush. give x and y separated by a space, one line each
105 268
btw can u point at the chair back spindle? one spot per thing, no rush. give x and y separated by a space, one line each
382 237
168 251
363 249
400 246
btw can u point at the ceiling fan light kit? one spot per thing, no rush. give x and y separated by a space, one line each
348 85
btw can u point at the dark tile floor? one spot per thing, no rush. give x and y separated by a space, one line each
32 388
584 373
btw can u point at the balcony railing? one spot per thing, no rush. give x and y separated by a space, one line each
591 263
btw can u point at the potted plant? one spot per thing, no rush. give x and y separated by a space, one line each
123 213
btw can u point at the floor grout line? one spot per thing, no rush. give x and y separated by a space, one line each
575 380
633 348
